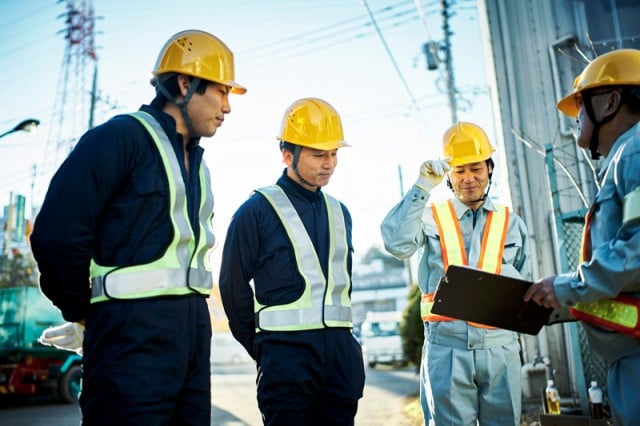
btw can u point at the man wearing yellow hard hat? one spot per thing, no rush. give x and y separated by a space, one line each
122 243
604 291
470 372
285 280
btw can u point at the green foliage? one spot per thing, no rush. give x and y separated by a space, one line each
18 271
412 328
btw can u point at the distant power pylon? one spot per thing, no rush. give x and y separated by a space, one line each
73 106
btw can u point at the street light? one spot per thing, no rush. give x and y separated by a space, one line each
27 125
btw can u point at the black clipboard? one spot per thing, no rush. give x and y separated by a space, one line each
473 295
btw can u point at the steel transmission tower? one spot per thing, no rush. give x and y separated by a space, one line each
75 97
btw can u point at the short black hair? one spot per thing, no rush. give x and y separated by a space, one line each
288 146
632 98
491 163
170 83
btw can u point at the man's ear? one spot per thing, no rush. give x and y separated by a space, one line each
183 84
287 157
615 97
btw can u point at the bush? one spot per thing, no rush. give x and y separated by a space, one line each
412 328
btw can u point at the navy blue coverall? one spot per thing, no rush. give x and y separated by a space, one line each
304 377
145 361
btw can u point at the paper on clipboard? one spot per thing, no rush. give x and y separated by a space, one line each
473 295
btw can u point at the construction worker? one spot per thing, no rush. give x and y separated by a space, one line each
604 291
122 242
285 280
469 372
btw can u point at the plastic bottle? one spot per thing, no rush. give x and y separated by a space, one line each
595 401
552 398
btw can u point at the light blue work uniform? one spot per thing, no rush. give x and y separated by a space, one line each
468 374
614 267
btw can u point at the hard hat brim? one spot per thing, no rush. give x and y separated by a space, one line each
236 88
455 162
324 146
568 106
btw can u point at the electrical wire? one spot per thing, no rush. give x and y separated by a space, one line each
392 59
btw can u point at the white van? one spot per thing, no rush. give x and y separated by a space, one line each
225 349
381 341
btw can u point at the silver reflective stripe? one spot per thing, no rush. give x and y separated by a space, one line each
310 312
338 314
339 280
145 281
206 214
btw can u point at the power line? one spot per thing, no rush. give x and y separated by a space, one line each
391 57
26 16
311 41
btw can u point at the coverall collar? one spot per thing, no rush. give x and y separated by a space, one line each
461 208
291 185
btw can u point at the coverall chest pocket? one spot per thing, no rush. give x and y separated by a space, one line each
512 250
433 252
277 278
607 199
147 183
431 234
606 211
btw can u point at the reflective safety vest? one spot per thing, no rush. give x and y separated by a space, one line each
325 302
621 313
184 268
453 251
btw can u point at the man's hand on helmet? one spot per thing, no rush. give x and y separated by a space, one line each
432 172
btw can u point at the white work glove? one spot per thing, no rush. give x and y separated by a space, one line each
432 172
68 337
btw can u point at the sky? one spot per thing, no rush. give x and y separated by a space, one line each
364 57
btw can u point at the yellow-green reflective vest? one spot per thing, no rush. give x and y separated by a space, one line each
453 252
325 302
184 267
620 313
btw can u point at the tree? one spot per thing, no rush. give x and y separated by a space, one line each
18 271
412 328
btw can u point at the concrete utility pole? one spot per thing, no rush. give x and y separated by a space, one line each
448 61
431 50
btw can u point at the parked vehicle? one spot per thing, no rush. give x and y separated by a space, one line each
381 341
225 349
28 368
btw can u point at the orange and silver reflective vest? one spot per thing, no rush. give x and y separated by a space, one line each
620 313
453 251
325 301
184 268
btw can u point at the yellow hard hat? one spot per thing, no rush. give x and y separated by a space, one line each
466 143
616 68
313 123
198 54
